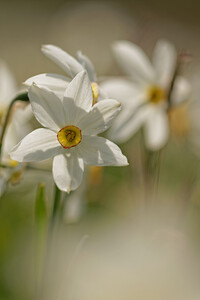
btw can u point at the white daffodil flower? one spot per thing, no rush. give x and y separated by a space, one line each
70 133
71 66
145 96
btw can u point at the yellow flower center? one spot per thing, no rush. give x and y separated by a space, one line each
155 94
13 163
69 136
95 92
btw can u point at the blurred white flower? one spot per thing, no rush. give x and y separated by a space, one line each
18 127
71 66
15 129
8 87
71 126
145 97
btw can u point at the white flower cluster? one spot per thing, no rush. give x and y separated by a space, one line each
73 109
71 118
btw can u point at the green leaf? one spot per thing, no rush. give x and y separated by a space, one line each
40 231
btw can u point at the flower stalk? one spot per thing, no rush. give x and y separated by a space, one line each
57 203
171 88
40 235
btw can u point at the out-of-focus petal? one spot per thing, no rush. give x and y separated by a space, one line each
8 86
69 64
182 91
134 61
164 61
56 83
129 120
87 65
156 129
100 117
120 89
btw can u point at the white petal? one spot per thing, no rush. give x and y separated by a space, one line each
102 94
182 91
40 144
72 112
129 120
100 117
164 61
134 61
87 65
98 151
68 171
47 107
119 89
80 90
8 85
56 83
17 129
10 140
156 129
69 64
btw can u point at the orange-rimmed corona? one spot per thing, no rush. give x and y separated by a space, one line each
69 136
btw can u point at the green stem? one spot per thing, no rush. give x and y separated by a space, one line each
40 236
20 97
56 205
172 87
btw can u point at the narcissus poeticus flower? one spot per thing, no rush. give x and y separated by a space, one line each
145 97
70 133
71 66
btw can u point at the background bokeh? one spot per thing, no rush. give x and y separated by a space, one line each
113 212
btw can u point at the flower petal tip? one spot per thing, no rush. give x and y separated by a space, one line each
34 84
119 104
44 47
26 84
126 163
